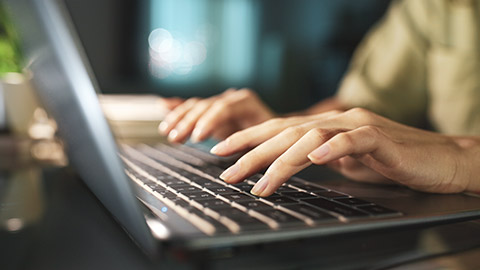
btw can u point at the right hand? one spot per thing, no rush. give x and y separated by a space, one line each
218 116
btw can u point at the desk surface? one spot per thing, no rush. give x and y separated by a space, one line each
50 220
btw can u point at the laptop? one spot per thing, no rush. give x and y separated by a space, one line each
169 196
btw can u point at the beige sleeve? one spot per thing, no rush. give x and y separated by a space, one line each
387 73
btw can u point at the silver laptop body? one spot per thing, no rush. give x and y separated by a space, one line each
67 88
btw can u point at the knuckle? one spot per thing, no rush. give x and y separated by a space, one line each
221 106
371 130
279 164
191 101
346 139
248 160
189 118
360 114
239 138
335 112
272 122
295 131
204 102
357 110
247 92
318 133
173 116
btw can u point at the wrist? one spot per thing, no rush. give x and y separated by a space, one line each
470 159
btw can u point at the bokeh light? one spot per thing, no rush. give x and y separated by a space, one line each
170 55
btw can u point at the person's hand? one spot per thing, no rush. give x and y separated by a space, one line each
357 143
218 116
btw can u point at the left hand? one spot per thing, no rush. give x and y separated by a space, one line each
359 144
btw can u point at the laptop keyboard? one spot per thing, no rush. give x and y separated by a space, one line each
185 180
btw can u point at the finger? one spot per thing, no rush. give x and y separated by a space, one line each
358 142
217 114
226 109
187 124
172 118
292 161
184 111
170 103
263 155
228 91
253 136
356 170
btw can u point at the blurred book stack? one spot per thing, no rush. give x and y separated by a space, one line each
133 116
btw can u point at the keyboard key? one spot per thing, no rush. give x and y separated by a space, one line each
182 203
223 190
176 183
330 194
244 187
199 180
283 189
279 216
314 213
255 177
298 195
211 184
254 205
377 210
167 194
199 196
331 206
352 201
219 227
245 221
309 188
155 186
214 204
238 197
276 199
187 189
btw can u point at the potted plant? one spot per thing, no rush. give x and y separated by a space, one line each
17 100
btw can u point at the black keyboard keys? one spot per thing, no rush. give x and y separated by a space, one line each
377 210
254 205
214 204
298 195
276 199
223 190
330 194
199 196
314 213
238 197
331 206
352 201
241 218
279 216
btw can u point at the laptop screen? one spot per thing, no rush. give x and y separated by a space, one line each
67 88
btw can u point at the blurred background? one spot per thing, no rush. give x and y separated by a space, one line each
293 53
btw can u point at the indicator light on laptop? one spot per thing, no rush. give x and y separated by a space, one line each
164 209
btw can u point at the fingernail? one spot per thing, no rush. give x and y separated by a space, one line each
196 135
173 134
218 147
260 186
320 152
163 127
228 173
